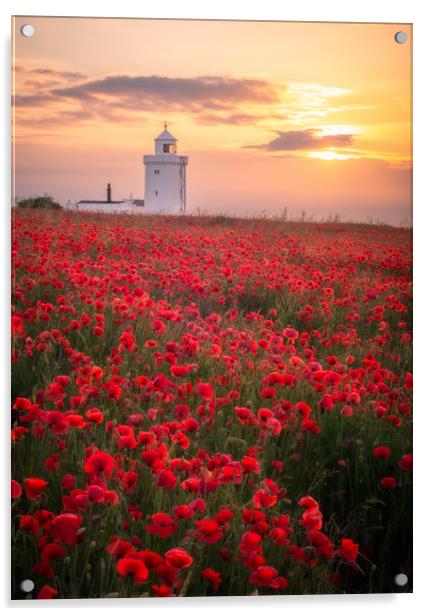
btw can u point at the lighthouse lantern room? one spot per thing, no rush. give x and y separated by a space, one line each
165 177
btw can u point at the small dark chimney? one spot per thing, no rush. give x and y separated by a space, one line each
108 193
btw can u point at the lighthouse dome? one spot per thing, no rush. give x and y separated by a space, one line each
165 136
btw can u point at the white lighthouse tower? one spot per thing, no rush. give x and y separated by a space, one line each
165 177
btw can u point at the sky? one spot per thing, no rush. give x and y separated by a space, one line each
308 119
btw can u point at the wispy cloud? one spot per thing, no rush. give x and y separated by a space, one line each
308 103
48 72
238 119
307 139
221 91
32 100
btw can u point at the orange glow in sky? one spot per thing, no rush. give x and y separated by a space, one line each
312 117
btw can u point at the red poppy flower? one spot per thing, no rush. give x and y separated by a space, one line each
303 408
347 410
249 542
134 568
150 558
51 463
65 527
182 440
244 414
135 420
16 489
162 525
212 576
166 479
47 592
198 504
310 425
408 381
250 465
279 536
178 558
279 583
348 550
406 462
96 493
208 530
34 487
299 554
267 392
94 415
382 452
326 403
311 520
205 391
43 568
263 499
52 551
99 463
263 576
129 481
251 516
179 371
127 441
388 483
309 503
30 524
223 516
183 512
22 404
161 590
321 543
75 421
68 482
119 548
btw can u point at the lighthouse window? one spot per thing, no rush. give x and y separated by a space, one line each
169 148
156 171
157 192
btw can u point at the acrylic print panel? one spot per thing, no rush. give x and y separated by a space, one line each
212 308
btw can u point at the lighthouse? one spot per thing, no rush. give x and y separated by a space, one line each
165 177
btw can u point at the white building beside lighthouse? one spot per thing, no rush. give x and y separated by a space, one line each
165 177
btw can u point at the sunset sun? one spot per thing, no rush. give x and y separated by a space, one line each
330 155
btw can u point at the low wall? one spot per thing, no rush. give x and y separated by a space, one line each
113 208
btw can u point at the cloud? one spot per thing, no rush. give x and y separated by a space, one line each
307 139
235 119
39 83
71 116
48 72
209 99
31 100
208 90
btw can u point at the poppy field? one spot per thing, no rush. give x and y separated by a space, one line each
209 406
